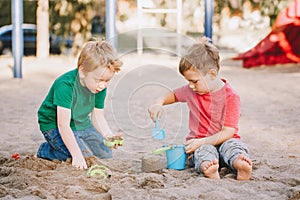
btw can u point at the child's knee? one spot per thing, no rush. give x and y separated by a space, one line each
231 149
206 152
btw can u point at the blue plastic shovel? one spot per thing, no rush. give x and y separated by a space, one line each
157 132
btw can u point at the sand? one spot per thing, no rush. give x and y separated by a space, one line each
269 125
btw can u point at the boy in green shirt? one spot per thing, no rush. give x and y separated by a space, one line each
71 117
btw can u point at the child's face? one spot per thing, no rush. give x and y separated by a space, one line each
97 80
197 82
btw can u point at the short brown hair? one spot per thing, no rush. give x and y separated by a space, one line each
98 53
202 56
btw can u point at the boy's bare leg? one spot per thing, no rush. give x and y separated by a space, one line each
243 165
210 169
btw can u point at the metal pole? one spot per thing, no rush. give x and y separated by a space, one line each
179 27
208 15
111 11
139 31
17 36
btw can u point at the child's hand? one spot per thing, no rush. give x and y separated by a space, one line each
193 144
114 142
119 140
79 162
155 111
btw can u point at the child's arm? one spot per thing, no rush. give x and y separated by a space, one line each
100 123
216 139
155 110
67 135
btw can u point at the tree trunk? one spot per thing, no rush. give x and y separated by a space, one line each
42 40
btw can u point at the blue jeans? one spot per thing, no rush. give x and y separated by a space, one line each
89 141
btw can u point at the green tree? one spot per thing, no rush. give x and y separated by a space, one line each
70 18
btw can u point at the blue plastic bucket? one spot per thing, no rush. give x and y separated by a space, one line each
176 157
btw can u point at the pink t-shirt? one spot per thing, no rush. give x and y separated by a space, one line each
210 112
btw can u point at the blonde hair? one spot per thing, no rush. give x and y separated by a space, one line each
98 54
202 56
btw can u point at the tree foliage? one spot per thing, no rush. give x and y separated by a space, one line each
269 8
69 18
29 12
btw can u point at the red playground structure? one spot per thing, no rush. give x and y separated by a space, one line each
282 45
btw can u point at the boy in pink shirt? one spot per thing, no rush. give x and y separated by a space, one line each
214 114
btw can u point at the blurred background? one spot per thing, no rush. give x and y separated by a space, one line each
237 24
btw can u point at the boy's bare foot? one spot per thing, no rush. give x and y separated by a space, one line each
210 169
243 165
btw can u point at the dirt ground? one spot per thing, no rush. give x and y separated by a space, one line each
269 125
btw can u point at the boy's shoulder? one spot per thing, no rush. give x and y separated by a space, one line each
65 81
68 77
230 91
69 74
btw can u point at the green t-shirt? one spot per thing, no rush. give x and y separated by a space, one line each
67 92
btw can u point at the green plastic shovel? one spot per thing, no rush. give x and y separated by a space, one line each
161 150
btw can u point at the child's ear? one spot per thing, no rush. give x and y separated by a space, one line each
212 74
81 72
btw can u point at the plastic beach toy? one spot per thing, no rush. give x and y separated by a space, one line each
99 171
161 150
119 141
112 141
175 154
109 143
16 156
157 132
176 157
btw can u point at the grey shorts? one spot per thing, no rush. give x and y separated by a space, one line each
226 153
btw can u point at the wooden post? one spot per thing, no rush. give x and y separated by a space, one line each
42 37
